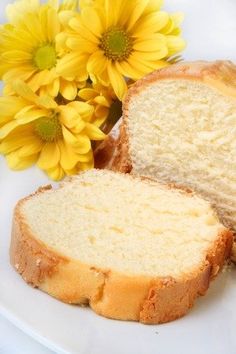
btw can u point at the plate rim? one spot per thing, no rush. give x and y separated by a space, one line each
30 331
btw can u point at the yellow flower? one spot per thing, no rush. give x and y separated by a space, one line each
83 3
119 39
28 51
102 98
37 129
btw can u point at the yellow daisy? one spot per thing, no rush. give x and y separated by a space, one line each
37 129
83 3
107 108
28 51
122 39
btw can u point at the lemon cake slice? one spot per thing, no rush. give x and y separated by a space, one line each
129 247
180 127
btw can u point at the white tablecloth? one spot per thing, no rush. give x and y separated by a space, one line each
210 30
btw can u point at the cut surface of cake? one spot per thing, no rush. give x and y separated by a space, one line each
179 127
129 247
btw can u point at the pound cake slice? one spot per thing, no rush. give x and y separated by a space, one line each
179 127
129 247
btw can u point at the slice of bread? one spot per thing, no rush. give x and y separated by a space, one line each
129 247
179 127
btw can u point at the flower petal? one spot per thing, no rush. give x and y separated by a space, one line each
69 116
80 125
52 24
12 143
153 5
80 44
84 166
68 5
54 88
46 102
33 26
175 44
94 24
170 26
137 12
103 78
68 89
151 23
117 81
101 100
93 132
9 106
86 157
129 71
153 56
87 94
55 173
153 43
49 156
178 18
41 78
101 114
70 139
60 43
73 65
16 163
76 24
16 57
33 114
24 91
21 72
83 144
32 147
8 128
97 63
84 109
135 60
68 158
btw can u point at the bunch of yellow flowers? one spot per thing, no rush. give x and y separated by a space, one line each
66 67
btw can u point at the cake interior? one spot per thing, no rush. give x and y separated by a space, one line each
184 131
110 220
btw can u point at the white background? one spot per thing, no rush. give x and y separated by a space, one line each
210 31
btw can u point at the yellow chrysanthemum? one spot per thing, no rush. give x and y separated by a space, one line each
122 39
83 3
37 129
28 51
107 108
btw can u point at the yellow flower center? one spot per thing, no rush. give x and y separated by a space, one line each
48 129
116 43
45 57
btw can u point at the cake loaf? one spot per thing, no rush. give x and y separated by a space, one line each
179 126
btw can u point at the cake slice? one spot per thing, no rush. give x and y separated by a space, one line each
129 247
179 127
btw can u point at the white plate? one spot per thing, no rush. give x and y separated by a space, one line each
209 328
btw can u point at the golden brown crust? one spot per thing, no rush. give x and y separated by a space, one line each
109 293
176 297
29 256
121 161
220 74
